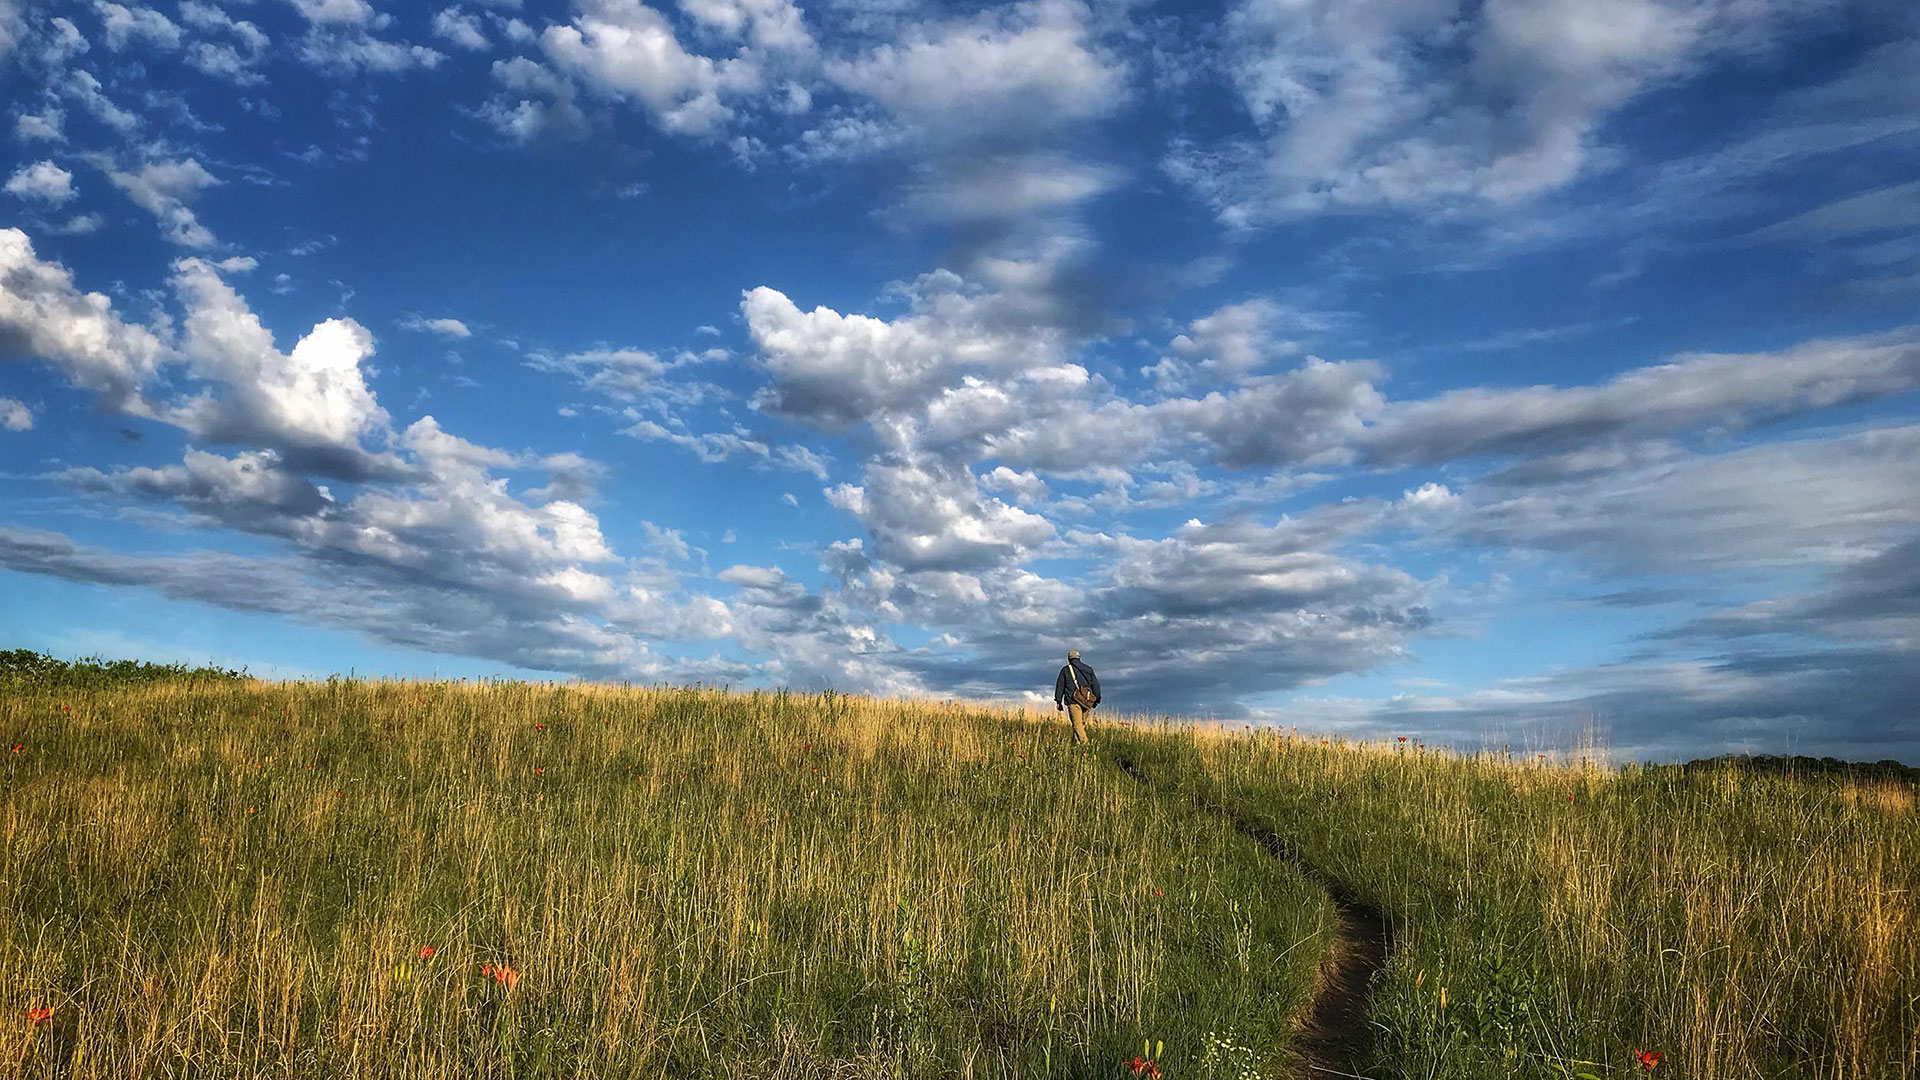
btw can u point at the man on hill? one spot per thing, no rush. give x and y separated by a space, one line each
1077 690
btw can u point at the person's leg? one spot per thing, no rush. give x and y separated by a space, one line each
1077 716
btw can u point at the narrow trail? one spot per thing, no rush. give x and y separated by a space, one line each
1331 1033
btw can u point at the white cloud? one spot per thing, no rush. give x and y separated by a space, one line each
925 514
1026 65
770 25
42 181
124 24
164 189
81 86
47 125
314 398
339 12
460 28
625 49
14 415
1414 102
354 52
44 317
536 102
445 327
235 59
1727 389
1239 338
832 370
79 225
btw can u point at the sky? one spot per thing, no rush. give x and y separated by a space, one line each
1492 372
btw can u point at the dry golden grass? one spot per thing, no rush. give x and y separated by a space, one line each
239 879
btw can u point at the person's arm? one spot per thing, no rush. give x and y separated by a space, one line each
1060 690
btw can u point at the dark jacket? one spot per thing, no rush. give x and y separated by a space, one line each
1063 686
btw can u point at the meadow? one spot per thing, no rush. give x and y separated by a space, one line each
233 878
228 877
1562 918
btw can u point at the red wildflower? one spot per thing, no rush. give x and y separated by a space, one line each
539 770
539 727
1157 892
252 809
1142 1067
66 708
427 951
1648 1058
503 975
39 1014
1402 738
338 794
19 748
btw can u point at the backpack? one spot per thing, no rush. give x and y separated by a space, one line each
1082 695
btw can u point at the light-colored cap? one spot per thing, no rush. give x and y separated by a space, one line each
1073 654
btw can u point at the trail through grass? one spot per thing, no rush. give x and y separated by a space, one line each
246 879
1559 920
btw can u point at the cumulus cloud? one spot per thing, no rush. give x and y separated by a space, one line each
14 415
43 182
833 370
425 544
312 402
627 50
43 316
926 514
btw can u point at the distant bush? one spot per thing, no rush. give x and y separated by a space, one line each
25 665
1803 766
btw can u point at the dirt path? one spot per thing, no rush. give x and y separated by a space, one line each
1331 1033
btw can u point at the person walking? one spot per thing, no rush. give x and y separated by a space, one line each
1077 690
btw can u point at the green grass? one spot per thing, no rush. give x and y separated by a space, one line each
1740 924
214 876
237 878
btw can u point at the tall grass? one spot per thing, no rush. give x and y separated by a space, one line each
1737 924
244 879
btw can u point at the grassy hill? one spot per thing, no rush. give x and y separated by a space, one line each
215 876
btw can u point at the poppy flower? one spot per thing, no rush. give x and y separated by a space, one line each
539 727
539 771
427 951
39 1014
1401 738
1649 1058
19 748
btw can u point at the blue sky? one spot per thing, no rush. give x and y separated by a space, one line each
1491 372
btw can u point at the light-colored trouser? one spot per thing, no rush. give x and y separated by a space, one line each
1078 717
